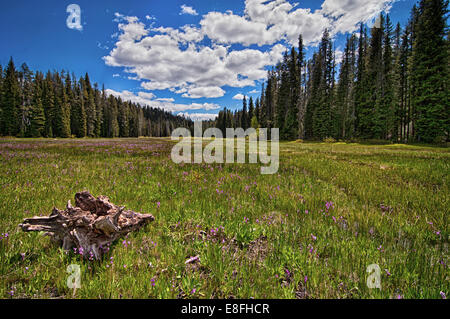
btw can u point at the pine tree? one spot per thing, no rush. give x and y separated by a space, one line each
111 116
99 106
89 106
78 114
26 89
70 96
375 114
283 96
1 98
430 77
123 118
104 122
291 127
345 115
388 103
37 116
323 81
251 110
302 90
244 118
257 111
11 100
48 103
397 84
61 120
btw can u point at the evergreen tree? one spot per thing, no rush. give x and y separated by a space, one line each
244 118
11 101
302 90
283 95
99 106
251 110
345 115
123 118
111 116
1 98
61 120
430 76
37 116
291 126
25 77
362 99
375 115
48 102
89 106
78 114
388 104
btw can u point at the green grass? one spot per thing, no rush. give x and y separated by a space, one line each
251 231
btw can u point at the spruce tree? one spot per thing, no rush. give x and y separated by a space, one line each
388 103
251 110
111 116
430 78
78 114
301 108
244 118
11 100
89 106
123 118
48 102
1 98
37 116
61 120
26 90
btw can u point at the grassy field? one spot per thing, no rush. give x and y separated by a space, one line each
309 231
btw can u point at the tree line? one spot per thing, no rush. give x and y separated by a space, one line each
59 105
392 84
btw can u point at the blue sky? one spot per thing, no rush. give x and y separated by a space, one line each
188 56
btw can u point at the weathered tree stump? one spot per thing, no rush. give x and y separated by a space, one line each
91 226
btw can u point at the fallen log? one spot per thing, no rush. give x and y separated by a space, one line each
90 227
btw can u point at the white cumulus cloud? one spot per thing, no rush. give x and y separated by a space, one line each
158 58
188 10
198 116
146 98
239 97
179 60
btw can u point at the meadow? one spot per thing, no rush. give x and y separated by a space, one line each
309 231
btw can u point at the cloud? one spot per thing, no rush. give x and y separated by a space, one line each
238 97
166 99
199 92
167 58
347 14
339 54
265 23
188 10
118 17
254 92
199 116
185 35
179 60
146 98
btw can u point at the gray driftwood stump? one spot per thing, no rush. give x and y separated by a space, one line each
91 226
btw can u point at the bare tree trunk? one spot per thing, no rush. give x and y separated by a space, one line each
91 226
